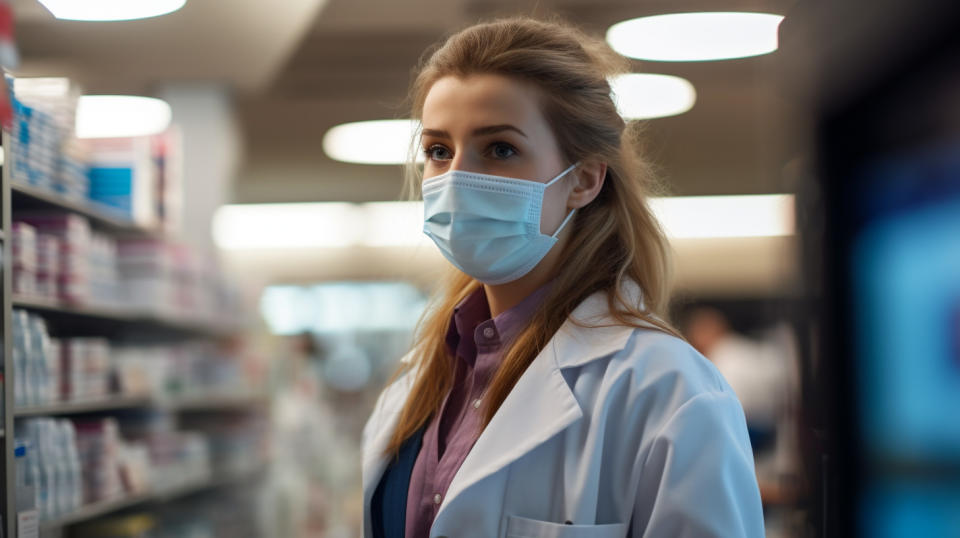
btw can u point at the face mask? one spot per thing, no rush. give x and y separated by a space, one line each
488 226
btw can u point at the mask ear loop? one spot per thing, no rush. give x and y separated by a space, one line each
561 174
572 211
564 223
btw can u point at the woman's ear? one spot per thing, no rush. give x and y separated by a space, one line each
590 176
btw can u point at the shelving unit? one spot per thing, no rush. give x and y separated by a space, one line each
189 487
83 407
6 262
123 320
224 402
28 197
100 321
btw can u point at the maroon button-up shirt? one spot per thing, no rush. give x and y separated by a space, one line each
477 344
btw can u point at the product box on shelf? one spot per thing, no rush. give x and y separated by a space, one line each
146 270
74 237
50 467
37 373
125 177
48 266
85 369
24 242
44 152
98 446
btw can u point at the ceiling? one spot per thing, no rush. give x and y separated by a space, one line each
299 67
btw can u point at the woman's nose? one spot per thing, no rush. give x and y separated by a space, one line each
463 162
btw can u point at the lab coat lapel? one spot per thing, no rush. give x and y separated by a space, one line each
374 462
542 404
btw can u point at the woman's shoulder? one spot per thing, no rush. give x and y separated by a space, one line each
656 359
658 384
660 364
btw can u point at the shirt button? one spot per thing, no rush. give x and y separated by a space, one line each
437 498
476 403
489 332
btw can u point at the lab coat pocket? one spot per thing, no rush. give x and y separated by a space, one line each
521 527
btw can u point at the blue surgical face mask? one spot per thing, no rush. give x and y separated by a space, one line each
488 226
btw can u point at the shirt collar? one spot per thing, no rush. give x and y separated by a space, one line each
472 317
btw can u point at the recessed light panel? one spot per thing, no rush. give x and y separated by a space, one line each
110 10
371 142
690 37
112 116
643 96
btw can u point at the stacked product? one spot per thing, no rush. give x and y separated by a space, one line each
44 151
174 279
137 462
54 370
58 256
136 178
75 236
177 458
36 262
237 442
50 466
27 474
99 447
48 266
35 361
25 262
74 177
85 369
124 177
145 268
104 279
35 146
188 369
51 370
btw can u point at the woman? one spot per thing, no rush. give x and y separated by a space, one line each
545 395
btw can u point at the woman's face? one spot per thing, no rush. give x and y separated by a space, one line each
491 124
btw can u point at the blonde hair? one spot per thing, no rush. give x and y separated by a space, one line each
613 239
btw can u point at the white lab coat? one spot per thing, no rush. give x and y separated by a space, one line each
621 431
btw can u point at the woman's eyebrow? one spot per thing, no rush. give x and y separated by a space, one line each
490 129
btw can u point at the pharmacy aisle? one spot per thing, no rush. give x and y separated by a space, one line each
133 401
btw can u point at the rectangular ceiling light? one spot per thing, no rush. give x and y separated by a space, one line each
399 224
754 215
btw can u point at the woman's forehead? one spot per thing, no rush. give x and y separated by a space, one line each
455 103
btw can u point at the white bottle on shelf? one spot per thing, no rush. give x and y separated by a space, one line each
20 358
57 456
39 347
26 495
34 475
73 464
65 495
47 470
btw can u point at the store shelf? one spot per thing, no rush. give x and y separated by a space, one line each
222 402
96 510
28 198
216 402
81 407
191 487
107 320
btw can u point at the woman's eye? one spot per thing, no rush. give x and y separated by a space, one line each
501 150
437 153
